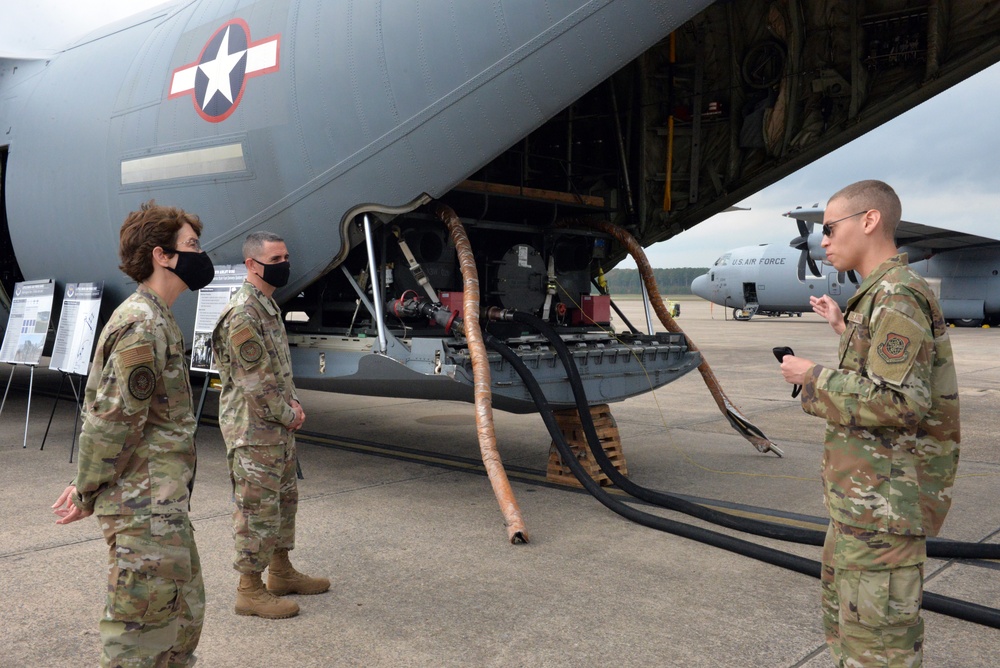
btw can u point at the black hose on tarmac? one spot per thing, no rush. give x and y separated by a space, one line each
946 605
935 548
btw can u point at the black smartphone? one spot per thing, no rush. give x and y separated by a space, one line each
779 353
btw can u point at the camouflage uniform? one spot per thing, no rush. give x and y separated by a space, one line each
889 461
135 472
251 352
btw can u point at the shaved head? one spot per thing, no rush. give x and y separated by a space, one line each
878 195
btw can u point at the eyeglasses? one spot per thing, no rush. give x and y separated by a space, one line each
189 246
828 227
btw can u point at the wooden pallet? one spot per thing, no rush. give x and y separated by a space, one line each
607 433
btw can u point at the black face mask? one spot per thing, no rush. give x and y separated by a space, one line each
195 269
276 274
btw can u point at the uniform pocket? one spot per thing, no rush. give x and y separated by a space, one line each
146 579
882 599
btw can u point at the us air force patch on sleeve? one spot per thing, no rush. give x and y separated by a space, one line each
251 351
248 345
894 349
897 344
141 382
136 380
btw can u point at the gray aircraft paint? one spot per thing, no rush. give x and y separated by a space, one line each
963 269
384 106
344 108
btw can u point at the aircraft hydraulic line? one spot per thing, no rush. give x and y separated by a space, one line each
516 531
935 548
946 605
739 421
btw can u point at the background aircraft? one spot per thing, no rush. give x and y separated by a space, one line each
770 279
337 124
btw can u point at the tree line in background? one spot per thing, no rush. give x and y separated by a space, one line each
668 281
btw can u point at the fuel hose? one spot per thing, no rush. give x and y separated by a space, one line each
938 603
936 548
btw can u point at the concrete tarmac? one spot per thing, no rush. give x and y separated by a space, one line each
422 571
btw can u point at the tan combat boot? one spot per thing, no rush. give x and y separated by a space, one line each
253 599
283 579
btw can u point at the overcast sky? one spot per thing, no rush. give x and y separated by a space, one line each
943 157
43 26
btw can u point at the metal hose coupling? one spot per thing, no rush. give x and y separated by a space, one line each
497 314
417 307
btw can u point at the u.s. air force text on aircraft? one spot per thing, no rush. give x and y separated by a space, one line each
753 260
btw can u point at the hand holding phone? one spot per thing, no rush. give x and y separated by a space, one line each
779 354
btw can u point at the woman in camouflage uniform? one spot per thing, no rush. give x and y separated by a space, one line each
137 453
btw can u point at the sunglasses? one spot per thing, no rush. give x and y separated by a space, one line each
828 227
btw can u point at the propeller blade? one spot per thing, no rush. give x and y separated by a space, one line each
802 265
812 265
854 277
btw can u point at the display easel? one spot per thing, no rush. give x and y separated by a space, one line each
201 401
77 410
24 339
31 385
79 322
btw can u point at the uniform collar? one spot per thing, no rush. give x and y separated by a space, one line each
151 295
898 260
268 303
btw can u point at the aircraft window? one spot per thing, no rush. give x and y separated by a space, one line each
723 261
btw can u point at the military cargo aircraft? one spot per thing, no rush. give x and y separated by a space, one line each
772 279
341 126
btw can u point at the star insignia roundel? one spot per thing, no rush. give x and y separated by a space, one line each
217 80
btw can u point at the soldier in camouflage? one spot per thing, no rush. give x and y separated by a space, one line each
137 452
891 445
259 414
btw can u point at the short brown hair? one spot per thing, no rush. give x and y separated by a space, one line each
876 195
143 230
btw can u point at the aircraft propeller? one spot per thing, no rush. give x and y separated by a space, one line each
850 275
801 243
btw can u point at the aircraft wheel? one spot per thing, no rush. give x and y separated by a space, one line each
969 322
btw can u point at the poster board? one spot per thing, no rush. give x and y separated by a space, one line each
212 301
77 328
30 312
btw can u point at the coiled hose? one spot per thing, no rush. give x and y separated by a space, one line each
935 548
945 605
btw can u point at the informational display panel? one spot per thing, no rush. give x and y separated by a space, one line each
212 301
30 311
77 328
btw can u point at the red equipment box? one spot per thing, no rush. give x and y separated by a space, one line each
593 309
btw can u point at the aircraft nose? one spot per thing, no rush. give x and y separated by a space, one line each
700 286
